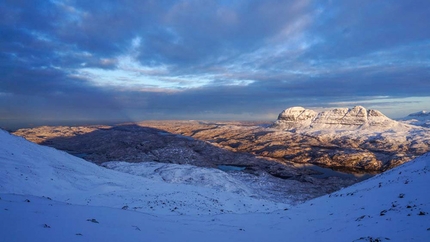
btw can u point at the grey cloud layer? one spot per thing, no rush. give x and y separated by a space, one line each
294 52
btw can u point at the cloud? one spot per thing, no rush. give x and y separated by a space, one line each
351 28
126 59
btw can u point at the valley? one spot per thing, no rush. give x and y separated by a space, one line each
318 152
232 121
46 194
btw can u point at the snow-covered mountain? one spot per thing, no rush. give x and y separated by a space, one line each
421 118
356 137
354 118
47 195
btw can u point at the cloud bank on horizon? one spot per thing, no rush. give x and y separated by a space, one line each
128 60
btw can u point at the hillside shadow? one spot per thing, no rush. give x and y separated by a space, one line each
134 143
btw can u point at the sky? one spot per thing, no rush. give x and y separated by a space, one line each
80 61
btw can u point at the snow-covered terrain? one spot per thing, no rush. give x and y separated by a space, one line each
363 138
27 168
261 185
182 174
421 118
339 119
47 195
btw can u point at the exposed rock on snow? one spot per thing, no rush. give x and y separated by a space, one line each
421 118
339 119
356 138
295 117
362 148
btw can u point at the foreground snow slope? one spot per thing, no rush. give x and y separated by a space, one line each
393 206
27 168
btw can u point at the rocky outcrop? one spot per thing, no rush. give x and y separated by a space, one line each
295 117
298 118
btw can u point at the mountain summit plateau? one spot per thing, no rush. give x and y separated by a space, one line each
357 117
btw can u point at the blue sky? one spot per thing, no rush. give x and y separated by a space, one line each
65 61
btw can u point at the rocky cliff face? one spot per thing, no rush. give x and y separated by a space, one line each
295 117
298 118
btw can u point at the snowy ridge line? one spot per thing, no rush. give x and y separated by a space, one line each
358 117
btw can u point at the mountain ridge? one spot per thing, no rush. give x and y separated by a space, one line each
421 118
358 117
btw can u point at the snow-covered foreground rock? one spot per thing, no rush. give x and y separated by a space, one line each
393 206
